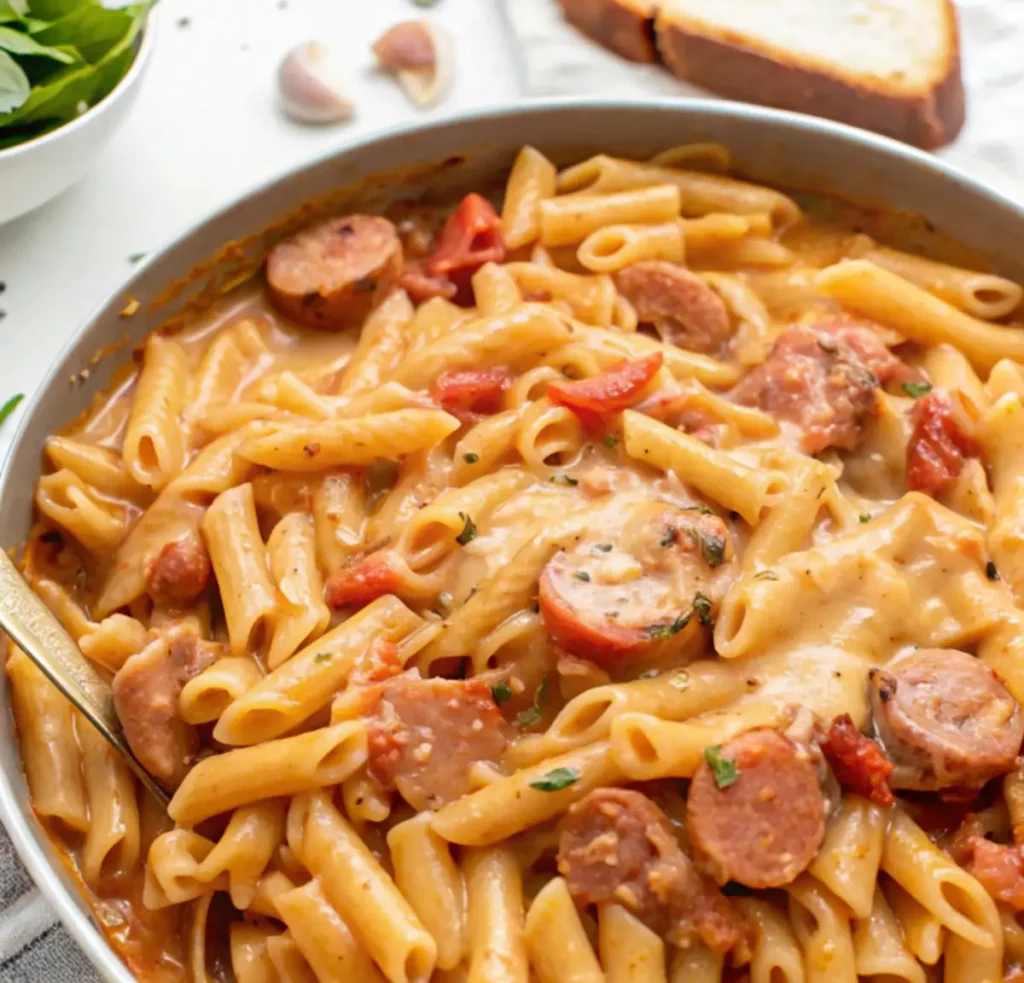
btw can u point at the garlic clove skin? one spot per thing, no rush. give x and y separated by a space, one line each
311 86
422 59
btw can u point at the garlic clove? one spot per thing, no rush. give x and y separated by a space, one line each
311 86
421 57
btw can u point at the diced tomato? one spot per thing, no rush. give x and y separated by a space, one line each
940 443
362 582
857 761
998 868
421 286
379 663
470 238
471 393
595 637
611 392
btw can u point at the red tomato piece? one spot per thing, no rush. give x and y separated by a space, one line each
999 869
940 443
611 392
362 582
470 238
471 393
857 761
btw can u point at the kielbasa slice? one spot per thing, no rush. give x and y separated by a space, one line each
616 594
944 719
684 310
180 572
424 734
761 818
616 845
330 276
824 378
146 690
941 441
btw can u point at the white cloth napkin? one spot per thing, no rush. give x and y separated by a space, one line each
558 60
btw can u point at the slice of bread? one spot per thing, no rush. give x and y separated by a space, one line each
624 26
892 66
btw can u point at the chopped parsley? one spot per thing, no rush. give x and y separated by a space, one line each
917 389
766 575
610 441
322 657
582 575
713 548
671 534
666 629
556 779
468 533
563 479
700 509
501 692
990 571
723 769
603 547
9 407
529 717
471 458
865 517
702 608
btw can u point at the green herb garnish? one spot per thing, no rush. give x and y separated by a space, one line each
670 536
556 779
501 692
8 408
699 509
582 575
865 517
666 629
604 547
563 479
702 608
468 533
713 548
766 575
529 717
322 657
610 441
917 389
471 458
723 769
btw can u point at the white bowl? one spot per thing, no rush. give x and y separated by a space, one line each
34 172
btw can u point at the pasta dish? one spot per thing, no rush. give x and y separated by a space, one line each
616 579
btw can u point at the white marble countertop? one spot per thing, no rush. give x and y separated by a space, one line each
205 128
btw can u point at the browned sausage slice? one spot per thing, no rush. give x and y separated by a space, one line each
424 734
684 310
945 720
617 845
146 691
617 594
817 380
764 827
180 572
330 276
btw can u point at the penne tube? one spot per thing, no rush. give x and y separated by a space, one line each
531 181
630 952
556 940
569 219
494 904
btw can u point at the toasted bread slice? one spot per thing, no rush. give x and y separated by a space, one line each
892 66
624 26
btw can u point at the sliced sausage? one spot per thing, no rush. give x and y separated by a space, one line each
815 379
180 572
870 349
998 867
857 762
616 594
616 845
330 276
944 719
684 310
146 691
941 441
424 734
758 819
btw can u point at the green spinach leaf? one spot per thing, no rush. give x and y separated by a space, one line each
14 86
19 43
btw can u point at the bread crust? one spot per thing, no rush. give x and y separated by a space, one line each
737 70
623 26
